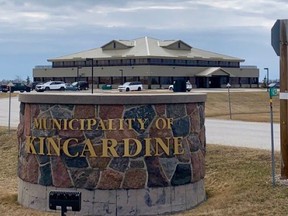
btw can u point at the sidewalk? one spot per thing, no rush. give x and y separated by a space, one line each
4 112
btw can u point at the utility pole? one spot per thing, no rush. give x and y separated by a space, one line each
267 80
279 43
283 102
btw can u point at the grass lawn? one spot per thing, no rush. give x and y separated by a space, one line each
237 181
246 106
5 95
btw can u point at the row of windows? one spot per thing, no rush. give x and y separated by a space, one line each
159 80
150 61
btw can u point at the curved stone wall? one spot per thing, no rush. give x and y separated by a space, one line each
149 151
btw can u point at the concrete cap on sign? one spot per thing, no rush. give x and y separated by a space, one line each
10 84
112 98
228 85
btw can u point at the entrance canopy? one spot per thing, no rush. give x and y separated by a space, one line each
214 71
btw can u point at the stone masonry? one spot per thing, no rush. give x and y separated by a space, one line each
121 174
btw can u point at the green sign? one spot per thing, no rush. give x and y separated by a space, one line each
273 92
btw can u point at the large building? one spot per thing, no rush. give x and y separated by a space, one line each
156 63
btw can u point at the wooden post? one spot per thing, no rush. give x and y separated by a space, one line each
283 103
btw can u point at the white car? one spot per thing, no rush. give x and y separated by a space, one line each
131 86
51 85
188 86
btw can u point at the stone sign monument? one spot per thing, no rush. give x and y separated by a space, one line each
128 154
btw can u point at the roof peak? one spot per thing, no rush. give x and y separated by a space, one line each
147 46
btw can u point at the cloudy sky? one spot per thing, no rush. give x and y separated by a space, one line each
31 31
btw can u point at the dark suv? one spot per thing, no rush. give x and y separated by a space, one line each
16 87
81 85
4 88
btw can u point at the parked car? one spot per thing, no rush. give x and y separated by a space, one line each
71 87
33 84
188 86
16 87
274 85
51 85
4 88
131 86
106 87
82 85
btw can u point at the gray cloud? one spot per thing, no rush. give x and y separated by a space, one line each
198 14
51 27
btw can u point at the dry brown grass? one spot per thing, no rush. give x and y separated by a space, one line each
246 106
8 177
5 95
238 180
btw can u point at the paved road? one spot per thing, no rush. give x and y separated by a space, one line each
225 132
242 134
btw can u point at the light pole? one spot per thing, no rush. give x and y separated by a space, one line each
229 100
78 67
91 59
267 81
121 71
